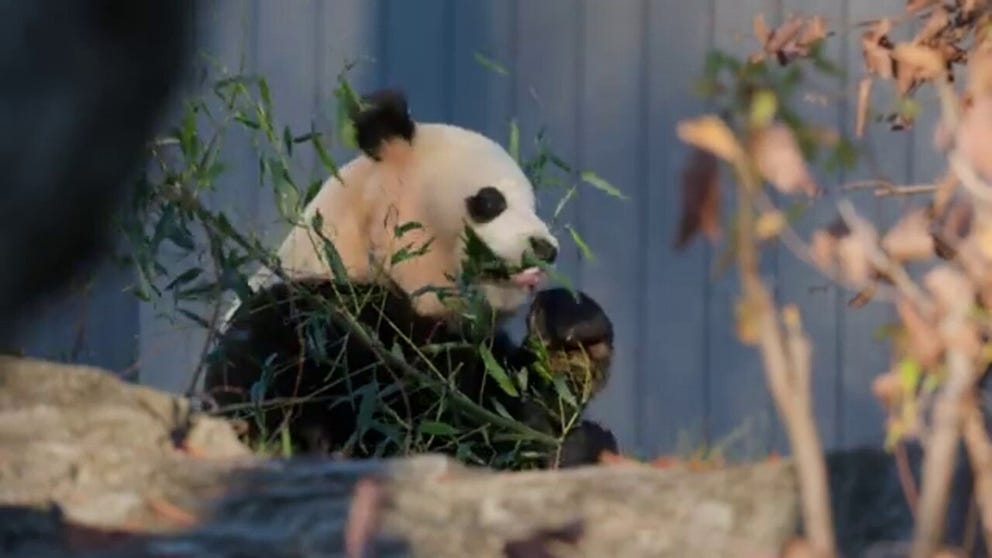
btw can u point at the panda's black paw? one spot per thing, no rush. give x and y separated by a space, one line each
577 336
564 320
585 444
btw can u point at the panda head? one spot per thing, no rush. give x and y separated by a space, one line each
439 192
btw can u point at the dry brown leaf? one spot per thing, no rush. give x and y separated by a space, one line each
910 238
864 98
711 133
876 49
761 31
780 161
974 136
784 34
793 39
700 199
950 227
968 7
924 341
815 30
925 62
863 296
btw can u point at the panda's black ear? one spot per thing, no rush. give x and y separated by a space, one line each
383 116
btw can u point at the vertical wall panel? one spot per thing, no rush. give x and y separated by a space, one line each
548 58
416 54
482 97
671 336
863 357
612 143
739 404
287 58
345 29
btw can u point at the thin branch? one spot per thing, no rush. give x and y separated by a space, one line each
786 358
938 462
980 455
911 190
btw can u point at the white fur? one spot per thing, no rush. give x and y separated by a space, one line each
427 182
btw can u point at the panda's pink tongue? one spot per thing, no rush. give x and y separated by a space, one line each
530 277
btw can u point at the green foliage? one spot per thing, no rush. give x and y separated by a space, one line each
190 257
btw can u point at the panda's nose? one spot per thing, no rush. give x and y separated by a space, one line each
543 249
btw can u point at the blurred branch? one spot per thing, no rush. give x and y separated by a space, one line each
980 456
786 357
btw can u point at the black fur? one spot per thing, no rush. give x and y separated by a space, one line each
276 320
487 204
569 323
383 116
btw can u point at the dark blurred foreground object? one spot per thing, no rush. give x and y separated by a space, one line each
84 84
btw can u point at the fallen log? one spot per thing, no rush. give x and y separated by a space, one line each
93 466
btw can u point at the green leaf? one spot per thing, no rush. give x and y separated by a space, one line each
587 253
324 156
433 428
366 407
245 120
763 108
497 371
514 144
401 230
562 389
909 374
564 200
184 277
489 63
187 134
263 90
196 318
287 140
406 253
595 181
330 251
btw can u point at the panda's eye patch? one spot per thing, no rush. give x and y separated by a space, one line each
486 204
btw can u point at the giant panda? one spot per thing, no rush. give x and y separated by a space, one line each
340 300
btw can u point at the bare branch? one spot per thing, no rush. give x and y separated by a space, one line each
980 455
938 463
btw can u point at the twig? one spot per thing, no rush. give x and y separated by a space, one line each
202 361
881 261
786 358
938 461
980 455
906 479
906 190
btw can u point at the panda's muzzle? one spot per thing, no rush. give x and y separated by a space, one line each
543 249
